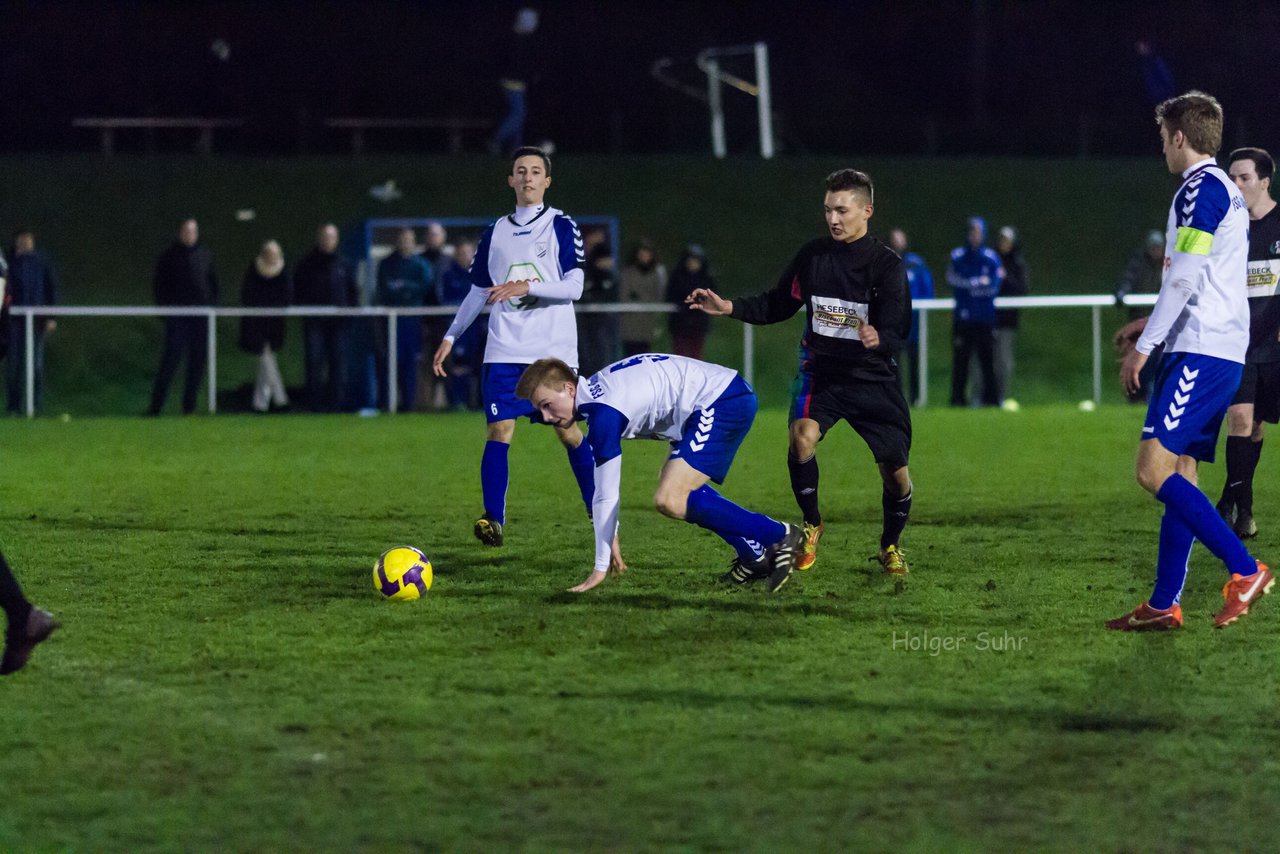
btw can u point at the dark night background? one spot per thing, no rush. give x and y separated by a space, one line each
952 77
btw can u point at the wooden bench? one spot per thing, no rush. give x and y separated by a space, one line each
109 125
454 128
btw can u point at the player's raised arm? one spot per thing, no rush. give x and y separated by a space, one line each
708 301
779 303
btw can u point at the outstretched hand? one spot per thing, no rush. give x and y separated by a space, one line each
708 302
595 579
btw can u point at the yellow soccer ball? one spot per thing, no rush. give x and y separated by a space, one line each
402 573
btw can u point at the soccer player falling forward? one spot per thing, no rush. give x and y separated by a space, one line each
536 253
1202 317
1258 398
705 412
854 291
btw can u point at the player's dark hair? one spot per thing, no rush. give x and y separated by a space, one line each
549 372
1198 116
853 181
531 151
1262 162
18 232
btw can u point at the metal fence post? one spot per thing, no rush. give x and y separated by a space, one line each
1097 353
212 356
748 353
29 366
392 361
923 353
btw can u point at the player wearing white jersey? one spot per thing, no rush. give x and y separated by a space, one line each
1202 317
536 254
704 411
1257 401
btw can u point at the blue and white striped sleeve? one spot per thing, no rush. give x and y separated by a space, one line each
571 258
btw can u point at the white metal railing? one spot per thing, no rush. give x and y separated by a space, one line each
924 307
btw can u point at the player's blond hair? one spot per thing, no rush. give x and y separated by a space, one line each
1198 116
549 372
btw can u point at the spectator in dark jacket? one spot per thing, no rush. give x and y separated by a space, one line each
405 281
1016 284
689 328
268 283
598 331
31 281
465 362
184 277
324 278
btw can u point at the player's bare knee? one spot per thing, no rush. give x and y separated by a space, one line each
804 439
502 431
570 437
671 503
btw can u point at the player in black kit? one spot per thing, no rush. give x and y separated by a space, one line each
1258 399
858 312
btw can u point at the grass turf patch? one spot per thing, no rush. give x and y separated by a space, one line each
228 677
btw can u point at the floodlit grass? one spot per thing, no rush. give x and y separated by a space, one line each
227 677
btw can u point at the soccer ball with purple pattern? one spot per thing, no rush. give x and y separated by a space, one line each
402 573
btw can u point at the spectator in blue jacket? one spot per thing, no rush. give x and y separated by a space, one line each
405 280
920 282
975 275
31 282
467 356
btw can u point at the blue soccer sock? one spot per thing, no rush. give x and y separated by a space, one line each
749 551
709 509
1171 562
493 480
1199 515
584 471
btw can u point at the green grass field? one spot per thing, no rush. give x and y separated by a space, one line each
228 679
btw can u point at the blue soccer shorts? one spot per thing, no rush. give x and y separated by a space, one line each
498 381
712 436
1189 399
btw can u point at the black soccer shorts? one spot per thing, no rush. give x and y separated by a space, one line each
877 411
1260 385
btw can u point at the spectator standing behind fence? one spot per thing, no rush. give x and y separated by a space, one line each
466 357
184 276
404 281
1142 275
920 283
975 276
324 278
598 331
689 328
1016 284
268 283
31 281
643 280
439 256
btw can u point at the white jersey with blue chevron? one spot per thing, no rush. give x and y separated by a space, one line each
545 249
1209 219
655 393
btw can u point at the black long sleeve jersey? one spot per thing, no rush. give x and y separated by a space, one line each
841 286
